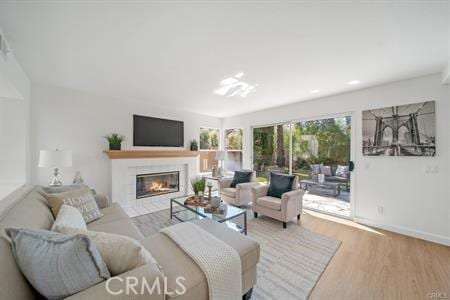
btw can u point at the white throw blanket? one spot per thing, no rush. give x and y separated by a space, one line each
220 262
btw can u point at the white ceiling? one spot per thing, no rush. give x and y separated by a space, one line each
176 53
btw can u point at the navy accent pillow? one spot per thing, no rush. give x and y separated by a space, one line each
241 177
280 184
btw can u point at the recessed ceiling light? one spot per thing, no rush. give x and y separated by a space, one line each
239 75
353 82
314 91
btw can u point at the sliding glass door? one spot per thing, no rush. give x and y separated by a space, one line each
321 157
271 153
317 151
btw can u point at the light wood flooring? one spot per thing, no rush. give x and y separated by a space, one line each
378 264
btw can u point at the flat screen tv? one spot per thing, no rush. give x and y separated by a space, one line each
148 131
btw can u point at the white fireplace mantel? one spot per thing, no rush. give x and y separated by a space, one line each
123 169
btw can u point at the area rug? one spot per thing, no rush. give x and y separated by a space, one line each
292 260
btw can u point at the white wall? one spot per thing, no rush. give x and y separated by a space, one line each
415 202
72 120
14 126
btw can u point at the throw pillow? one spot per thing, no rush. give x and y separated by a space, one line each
81 199
119 252
325 170
69 216
57 265
241 177
315 169
342 171
280 184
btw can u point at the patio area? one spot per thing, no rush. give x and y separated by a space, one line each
339 205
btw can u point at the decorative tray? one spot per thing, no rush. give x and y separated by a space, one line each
196 201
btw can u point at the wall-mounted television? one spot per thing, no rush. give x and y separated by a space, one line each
149 131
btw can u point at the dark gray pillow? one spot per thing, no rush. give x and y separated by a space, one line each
241 177
57 265
280 184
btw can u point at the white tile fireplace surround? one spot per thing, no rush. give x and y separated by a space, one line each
123 181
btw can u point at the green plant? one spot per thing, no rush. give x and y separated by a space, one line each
115 139
198 184
194 145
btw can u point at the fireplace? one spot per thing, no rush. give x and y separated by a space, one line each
154 184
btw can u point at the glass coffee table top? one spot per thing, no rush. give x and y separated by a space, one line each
184 212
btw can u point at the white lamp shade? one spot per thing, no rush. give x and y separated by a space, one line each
220 155
55 158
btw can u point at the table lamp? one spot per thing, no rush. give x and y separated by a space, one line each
55 159
220 157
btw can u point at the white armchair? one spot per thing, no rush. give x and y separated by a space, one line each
284 209
239 195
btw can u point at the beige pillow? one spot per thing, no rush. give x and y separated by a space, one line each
120 253
69 216
82 199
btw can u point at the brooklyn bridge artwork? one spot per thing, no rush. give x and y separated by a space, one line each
404 130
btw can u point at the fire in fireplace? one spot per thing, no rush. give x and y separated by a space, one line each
153 184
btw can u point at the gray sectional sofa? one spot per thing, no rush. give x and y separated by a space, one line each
27 208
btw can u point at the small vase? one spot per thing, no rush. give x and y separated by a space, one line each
215 202
115 146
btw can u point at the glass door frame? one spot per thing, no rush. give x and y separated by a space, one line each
352 115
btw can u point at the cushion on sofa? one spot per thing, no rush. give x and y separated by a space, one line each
342 171
57 265
280 184
81 198
241 177
123 227
325 170
165 249
110 214
69 216
270 202
120 253
315 169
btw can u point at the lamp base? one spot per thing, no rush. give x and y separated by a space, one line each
55 181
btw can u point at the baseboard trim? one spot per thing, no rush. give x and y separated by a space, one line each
406 231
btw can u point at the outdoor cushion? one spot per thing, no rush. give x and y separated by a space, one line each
315 169
241 177
270 202
280 184
342 171
325 170
230 192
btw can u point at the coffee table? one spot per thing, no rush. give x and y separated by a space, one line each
183 212
321 187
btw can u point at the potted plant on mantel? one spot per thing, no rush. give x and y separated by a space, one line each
194 145
115 141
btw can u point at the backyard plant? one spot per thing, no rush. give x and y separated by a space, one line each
198 184
115 140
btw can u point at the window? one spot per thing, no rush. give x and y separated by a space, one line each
209 144
209 139
233 146
271 150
